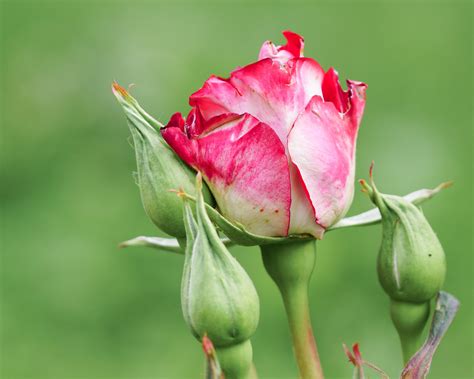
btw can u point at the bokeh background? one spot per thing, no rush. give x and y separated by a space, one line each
75 306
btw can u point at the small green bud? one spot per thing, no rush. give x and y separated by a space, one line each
159 169
411 263
218 297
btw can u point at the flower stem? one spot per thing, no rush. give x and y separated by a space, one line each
290 265
236 361
409 320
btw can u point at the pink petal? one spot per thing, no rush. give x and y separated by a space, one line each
216 96
351 101
292 49
322 146
274 94
177 139
357 103
177 121
302 213
333 92
245 165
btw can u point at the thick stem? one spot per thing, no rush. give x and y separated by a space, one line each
409 320
236 361
290 266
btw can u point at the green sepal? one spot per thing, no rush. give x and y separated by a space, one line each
159 169
191 235
171 245
373 216
237 233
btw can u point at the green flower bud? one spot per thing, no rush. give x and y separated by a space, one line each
218 297
159 168
411 263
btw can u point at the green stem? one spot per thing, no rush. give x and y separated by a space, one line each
236 361
253 372
290 266
409 320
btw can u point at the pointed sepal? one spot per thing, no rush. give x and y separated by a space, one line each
159 169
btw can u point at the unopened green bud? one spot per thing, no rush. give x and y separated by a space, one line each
411 263
218 297
159 169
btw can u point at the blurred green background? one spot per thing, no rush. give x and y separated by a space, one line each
74 306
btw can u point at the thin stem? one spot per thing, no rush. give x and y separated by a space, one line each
306 352
409 320
290 265
410 344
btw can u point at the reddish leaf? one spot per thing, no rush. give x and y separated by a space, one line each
213 370
419 365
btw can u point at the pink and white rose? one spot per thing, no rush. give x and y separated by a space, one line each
275 142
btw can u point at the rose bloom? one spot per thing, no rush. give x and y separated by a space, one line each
275 142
